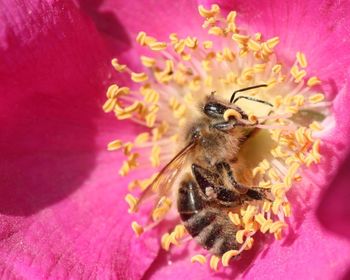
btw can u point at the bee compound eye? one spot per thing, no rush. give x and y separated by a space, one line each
214 109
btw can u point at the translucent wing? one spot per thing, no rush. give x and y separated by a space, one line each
165 179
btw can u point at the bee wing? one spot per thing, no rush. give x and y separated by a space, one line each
164 180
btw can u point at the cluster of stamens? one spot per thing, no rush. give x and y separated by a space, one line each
180 74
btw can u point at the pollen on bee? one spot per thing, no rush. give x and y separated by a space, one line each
279 126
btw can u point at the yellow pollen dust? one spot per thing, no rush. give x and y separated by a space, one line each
284 118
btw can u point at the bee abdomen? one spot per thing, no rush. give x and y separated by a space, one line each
206 224
217 237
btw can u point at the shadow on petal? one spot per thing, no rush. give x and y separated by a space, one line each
107 23
47 152
334 208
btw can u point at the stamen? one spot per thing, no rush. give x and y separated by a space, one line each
228 256
138 229
199 258
214 262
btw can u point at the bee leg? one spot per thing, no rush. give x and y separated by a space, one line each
250 193
212 186
223 166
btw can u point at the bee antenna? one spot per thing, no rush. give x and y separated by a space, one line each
233 100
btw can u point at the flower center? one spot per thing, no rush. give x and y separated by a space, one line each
277 104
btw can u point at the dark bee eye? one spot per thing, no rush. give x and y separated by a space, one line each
214 110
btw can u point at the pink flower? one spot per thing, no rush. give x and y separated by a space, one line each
62 212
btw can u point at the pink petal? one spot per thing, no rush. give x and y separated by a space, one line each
61 200
316 28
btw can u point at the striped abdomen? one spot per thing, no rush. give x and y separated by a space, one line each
208 225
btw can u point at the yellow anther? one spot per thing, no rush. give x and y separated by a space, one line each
301 58
148 61
273 42
141 38
264 184
228 256
249 243
254 45
173 239
259 67
276 226
214 262
240 236
228 54
199 258
131 201
122 116
273 174
186 56
137 228
316 150
232 113
265 227
292 109
313 81
231 17
207 13
258 36
132 108
216 30
122 91
117 66
174 38
266 50
191 42
114 145
258 170
157 46
277 68
240 39
276 206
180 231
267 206
230 27
316 126
139 77
248 73
155 156
165 241
112 91
260 219
234 218
287 210
207 45
265 164
299 99
299 76
252 118
318 97
179 47
206 64
151 96
249 213
278 235
109 105
127 148
278 190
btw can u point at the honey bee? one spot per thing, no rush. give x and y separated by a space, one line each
210 190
